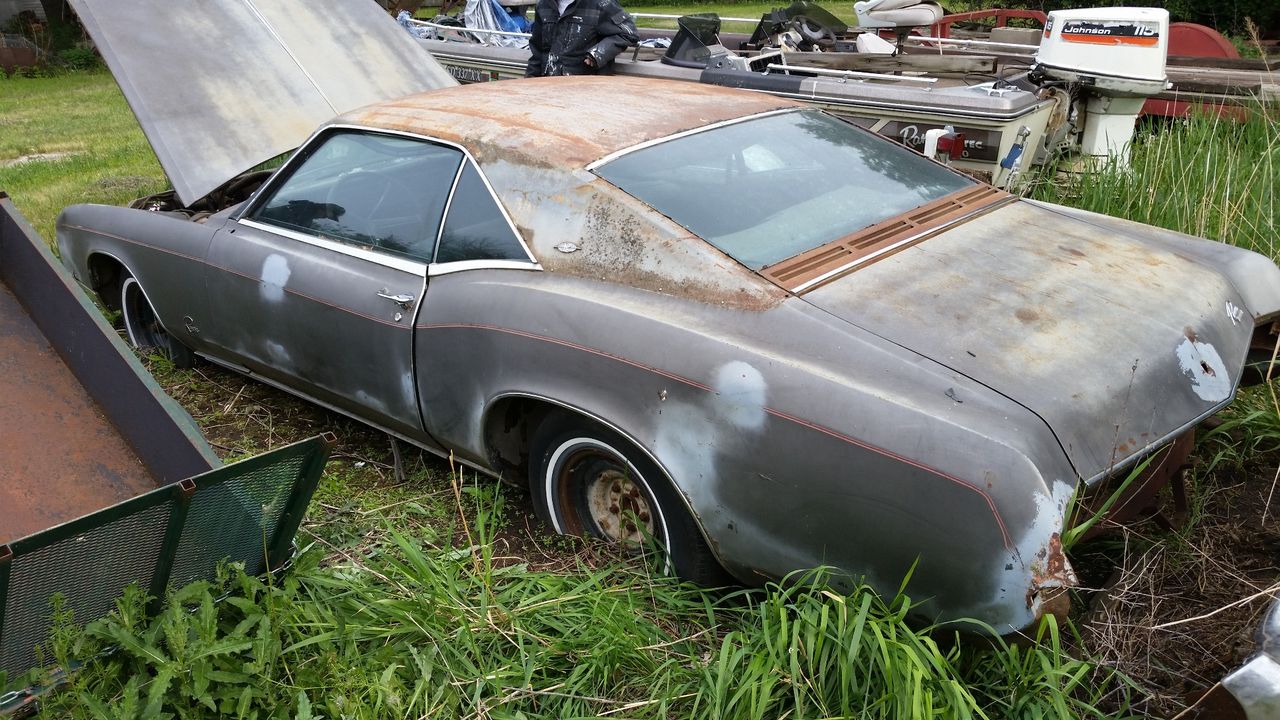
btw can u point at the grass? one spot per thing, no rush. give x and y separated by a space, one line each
408 632
1205 176
71 139
395 610
751 10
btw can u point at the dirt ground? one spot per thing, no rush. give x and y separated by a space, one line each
1176 611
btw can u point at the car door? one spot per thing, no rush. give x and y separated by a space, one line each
315 286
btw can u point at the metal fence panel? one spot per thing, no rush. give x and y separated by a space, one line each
246 512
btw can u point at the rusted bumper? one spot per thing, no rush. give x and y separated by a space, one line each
1051 579
1141 498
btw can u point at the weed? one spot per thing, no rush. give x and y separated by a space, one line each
1205 175
408 630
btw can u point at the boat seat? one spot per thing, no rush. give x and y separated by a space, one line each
897 13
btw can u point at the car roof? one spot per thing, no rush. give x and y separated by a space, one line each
561 122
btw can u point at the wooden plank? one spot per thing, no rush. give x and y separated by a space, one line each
1255 64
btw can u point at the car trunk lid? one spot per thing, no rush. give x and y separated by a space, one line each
220 87
1114 340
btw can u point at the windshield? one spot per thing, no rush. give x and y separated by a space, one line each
773 187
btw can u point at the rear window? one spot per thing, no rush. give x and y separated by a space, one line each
766 189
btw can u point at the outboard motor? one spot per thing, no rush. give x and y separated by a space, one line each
1115 58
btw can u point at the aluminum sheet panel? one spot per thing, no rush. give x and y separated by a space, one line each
222 85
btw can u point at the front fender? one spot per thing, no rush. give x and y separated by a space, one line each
164 251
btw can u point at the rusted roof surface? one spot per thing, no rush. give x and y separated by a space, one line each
562 122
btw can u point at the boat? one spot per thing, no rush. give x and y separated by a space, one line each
1022 96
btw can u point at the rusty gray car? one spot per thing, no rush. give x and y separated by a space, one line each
760 335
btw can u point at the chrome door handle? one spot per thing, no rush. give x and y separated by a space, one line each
404 299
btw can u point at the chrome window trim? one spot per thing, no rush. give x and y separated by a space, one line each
448 204
435 269
684 133
511 225
394 262
288 167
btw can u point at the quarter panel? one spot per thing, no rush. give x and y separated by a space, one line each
797 439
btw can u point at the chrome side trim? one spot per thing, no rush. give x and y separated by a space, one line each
684 133
435 269
448 204
396 263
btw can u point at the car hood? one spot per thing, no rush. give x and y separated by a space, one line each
220 87
1116 340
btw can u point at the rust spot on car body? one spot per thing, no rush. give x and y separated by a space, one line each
585 119
1051 576
622 240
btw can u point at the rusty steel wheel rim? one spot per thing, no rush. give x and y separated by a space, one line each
618 508
599 495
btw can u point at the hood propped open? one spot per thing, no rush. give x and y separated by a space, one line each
220 87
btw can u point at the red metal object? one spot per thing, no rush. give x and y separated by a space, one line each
1194 40
1002 16
1181 108
1140 499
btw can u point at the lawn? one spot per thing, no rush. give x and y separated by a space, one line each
439 595
71 139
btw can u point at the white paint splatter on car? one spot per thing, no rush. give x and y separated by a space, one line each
740 395
1200 362
278 354
1028 567
275 275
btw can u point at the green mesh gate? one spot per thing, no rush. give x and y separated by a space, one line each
245 512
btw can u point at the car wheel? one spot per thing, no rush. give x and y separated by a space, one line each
143 327
588 481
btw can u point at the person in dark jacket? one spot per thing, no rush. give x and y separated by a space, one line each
577 37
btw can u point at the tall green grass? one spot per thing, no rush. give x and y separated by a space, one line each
409 632
1205 175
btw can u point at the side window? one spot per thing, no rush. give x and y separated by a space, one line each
475 228
381 192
